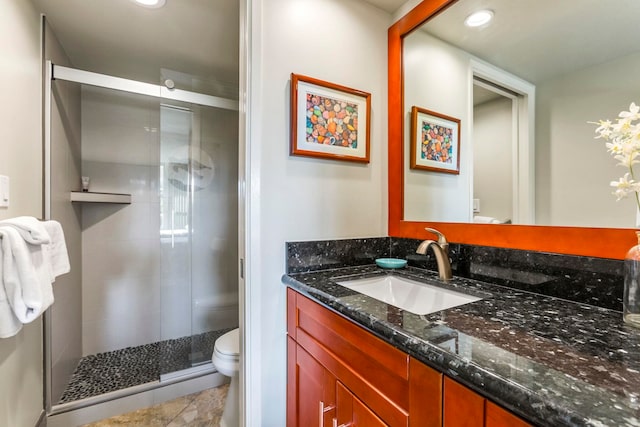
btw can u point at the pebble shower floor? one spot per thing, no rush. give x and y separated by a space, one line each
116 370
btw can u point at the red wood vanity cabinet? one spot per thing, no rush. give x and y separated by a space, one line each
339 374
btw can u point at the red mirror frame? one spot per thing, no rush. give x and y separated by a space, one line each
595 242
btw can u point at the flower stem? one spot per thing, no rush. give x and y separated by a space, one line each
635 192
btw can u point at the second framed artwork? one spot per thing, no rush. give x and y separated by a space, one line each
329 121
435 141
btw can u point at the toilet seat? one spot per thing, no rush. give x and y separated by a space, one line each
226 353
228 344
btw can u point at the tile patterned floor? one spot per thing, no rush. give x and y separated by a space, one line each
195 410
116 370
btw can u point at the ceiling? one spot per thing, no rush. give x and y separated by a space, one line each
389 6
201 37
117 37
542 39
191 37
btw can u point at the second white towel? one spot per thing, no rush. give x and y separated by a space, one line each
31 230
9 323
26 276
55 251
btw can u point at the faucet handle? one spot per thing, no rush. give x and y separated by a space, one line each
442 241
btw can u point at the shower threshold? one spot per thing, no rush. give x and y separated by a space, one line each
143 366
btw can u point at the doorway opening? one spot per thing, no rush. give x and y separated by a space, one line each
503 147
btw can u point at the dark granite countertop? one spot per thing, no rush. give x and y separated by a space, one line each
553 362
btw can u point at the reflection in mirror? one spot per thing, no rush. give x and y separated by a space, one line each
493 151
529 155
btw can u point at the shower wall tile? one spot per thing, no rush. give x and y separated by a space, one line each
139 180
100 334
121 281
176 311
124 319
121 245
139 220
175 288
119 128
117 298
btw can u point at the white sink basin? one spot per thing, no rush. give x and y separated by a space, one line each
407 294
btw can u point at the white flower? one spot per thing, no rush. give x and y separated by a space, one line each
623 144
624 186
625 161
632 114
604 130
623 183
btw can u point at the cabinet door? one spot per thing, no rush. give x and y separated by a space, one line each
425 395
462 406
352 412
465 408
498 417
311 400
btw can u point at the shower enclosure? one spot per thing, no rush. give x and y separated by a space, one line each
153 242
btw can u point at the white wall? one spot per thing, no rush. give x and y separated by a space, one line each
21 159
573 170
437 78
298 198
492 158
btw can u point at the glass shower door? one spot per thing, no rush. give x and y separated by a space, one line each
175 238
198 198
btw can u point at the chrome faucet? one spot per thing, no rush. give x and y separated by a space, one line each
441 251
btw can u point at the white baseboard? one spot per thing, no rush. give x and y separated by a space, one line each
163 393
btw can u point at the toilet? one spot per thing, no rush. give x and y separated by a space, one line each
226 359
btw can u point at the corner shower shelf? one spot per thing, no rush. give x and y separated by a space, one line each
89 197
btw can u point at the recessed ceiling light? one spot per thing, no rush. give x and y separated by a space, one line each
152 4
479 18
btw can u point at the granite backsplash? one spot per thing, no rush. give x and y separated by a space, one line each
587 280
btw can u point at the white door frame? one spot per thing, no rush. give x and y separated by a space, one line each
249 215
523 132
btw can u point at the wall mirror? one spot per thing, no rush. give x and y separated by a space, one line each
543 72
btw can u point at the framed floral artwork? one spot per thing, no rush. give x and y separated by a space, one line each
435 141
329 121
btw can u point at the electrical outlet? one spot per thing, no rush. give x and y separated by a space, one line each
476 205
4 191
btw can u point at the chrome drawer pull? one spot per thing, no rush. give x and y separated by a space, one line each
323 410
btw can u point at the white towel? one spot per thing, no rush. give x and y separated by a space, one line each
485 220
26 276
9 323
56 250
31 230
